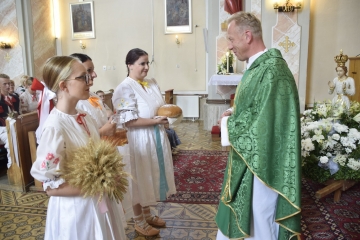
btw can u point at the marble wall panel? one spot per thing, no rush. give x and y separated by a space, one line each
43 33
11 60
221 41
256 8
286 36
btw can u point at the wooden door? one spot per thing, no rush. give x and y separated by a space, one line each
354 72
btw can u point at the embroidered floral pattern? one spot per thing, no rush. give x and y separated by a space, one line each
49 160
123 103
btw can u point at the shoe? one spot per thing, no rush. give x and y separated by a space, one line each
147 230
156 221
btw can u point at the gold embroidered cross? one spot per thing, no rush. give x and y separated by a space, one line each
286 44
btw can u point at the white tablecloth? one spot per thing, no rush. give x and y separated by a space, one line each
232 79
225 84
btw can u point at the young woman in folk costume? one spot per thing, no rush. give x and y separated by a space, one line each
138 100
69 214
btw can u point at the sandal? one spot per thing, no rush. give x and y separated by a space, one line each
155 221
146 230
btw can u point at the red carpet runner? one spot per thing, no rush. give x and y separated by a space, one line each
198 176
325 220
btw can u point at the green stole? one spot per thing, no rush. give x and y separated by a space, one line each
264 133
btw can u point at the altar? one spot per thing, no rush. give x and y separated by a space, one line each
225 86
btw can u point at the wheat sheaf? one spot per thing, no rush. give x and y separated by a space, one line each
96 169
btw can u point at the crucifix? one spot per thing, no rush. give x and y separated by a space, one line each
286 44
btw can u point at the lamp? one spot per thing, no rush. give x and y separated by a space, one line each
82 45
177 39
288 7
5 45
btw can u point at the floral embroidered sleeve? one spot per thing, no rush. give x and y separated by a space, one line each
124 100
50 152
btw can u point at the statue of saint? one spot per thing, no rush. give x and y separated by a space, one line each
342 85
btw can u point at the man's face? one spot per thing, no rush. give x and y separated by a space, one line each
237 41
4 86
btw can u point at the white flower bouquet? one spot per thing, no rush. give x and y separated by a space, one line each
222 66
330 142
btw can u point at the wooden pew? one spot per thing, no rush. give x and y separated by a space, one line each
19 177
169 96
33 146
108 99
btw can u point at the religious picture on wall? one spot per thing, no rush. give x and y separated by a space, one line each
177 16
82 20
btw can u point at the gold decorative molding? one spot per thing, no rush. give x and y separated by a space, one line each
286 44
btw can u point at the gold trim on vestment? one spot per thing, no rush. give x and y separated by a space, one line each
227 186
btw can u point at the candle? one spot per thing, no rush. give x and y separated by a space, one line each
227 62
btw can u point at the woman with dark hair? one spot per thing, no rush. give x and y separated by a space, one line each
138 99
94 105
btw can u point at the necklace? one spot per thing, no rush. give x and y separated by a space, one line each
343 78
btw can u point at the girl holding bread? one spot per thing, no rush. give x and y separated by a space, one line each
138 100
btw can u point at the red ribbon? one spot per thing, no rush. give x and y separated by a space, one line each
38 86
80 120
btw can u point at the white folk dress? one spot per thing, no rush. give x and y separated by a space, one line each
341 96
28 101
74 218
150 152
98 113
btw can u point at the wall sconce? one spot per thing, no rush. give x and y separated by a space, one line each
177 39
82 45
5 45
288 7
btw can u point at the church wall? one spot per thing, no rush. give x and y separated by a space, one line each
43 34
123 25
334 25
13 64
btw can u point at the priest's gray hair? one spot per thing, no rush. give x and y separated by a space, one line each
247 21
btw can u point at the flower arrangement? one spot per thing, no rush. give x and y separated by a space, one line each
222 66
330 142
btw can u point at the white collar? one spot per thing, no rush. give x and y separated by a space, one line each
253 58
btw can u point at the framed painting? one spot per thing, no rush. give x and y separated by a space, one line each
82 20
178 16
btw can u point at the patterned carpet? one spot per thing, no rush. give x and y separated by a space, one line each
325 220
198 176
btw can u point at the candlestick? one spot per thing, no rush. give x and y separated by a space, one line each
227 62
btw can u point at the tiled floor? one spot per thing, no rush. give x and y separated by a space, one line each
23 215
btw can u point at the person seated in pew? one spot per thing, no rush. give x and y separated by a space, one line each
7 106
12 88
173 138
21 88
101 94
28 99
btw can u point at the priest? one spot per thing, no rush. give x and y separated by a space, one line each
260 196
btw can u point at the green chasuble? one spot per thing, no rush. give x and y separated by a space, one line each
264 133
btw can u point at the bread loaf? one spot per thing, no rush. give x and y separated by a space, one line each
169 110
